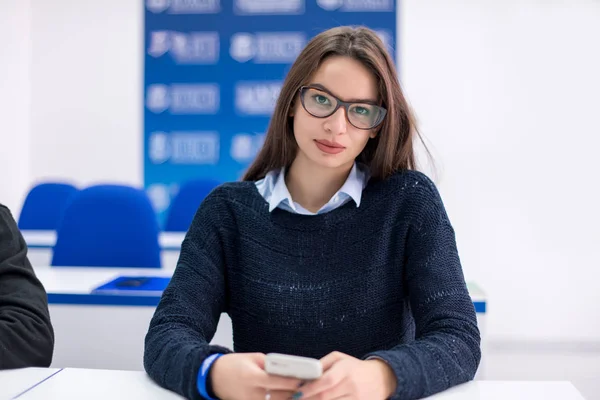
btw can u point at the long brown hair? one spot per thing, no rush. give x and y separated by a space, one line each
390 151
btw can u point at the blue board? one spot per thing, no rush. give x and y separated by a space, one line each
212 73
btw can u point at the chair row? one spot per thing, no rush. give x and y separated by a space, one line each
107 225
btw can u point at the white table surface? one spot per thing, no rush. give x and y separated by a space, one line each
41 246
39 238
35 238
171 240
16 381
82 280
98 384
511 390
75 384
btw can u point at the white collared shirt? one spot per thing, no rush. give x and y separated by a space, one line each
274 190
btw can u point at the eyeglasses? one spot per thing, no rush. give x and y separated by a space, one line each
321 104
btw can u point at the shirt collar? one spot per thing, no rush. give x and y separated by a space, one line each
280 192
353 187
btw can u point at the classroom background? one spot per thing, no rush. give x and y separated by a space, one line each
506 94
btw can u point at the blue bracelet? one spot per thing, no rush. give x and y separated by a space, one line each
203 375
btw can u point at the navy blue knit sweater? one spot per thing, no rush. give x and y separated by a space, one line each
382 279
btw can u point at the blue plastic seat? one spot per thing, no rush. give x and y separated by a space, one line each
44 205
186 202
108 226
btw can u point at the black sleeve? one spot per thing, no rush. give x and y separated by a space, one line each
26 334
446 350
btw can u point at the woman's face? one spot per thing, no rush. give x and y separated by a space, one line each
332 141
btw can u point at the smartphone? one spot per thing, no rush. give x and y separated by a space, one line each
304 368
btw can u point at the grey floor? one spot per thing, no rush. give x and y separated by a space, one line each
580 366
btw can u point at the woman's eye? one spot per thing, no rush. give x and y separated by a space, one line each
321 99
361 111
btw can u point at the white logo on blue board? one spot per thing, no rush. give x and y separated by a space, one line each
159 150
183 99
256 98
195 147
159 43
357 5
184 6
267 47
242 47
157 6
245 146
159 196
195 99
279 47
186 48
268 7
195 6
157 98
330 5
195 47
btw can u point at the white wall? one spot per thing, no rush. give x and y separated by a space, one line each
15 97
507 96
87 90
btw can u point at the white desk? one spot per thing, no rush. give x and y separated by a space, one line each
103 331
107 331
90 384
14 382
41 243
510 390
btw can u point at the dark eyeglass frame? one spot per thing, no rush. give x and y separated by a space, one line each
341 103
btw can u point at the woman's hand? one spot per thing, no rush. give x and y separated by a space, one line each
241 376
346 377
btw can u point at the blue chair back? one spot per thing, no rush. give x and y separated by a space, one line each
44 205
186 202
108 226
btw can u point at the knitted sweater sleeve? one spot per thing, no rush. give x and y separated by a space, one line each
446 349
186 318
26 333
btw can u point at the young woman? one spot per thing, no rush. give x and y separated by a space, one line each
332 247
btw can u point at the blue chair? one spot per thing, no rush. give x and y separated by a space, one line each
186 202
108 226
44 206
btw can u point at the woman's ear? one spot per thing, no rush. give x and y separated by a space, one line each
373 134
292 109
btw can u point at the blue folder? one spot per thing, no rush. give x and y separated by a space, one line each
134 285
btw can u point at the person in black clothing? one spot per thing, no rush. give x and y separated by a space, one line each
26 333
